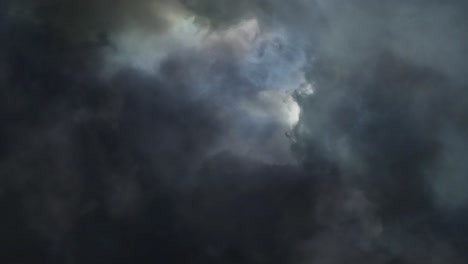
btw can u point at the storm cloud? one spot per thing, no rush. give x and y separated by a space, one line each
233 131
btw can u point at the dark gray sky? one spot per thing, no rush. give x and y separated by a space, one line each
216 131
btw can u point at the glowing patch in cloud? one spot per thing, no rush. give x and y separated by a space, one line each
257 70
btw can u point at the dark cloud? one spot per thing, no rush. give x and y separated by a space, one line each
89 20
129 167
102 169
386 112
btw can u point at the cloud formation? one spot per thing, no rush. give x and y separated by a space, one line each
233 131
